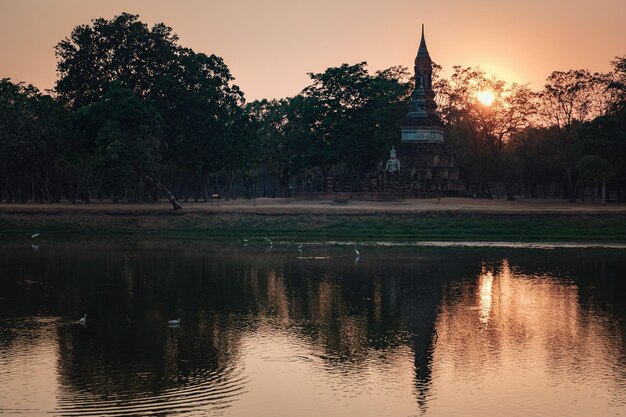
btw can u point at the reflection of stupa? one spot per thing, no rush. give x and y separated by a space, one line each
426 162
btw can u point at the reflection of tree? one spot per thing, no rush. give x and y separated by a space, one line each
352 313
350 316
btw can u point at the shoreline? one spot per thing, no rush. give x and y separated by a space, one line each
287 206
448 220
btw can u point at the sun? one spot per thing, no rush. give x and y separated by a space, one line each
485 97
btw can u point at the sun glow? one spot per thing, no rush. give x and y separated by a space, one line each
485 97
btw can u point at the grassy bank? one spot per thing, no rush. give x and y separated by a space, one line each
397 226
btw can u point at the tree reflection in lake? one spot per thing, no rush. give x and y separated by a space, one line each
402 332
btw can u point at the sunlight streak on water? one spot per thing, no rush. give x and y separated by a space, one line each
485 282
529 343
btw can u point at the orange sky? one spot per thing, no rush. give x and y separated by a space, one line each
270 45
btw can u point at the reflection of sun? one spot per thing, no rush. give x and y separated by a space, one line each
485 97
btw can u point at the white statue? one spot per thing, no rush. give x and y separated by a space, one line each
393 164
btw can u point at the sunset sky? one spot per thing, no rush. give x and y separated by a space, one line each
271 45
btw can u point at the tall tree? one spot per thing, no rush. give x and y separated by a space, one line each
122 49
123 136
565 104
597 170
605 137
477 131
283 128
33 133
357 114
193 92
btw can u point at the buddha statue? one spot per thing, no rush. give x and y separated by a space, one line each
393 164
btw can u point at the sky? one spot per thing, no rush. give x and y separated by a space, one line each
271 45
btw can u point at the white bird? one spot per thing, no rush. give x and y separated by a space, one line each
356 251
174 322
299 246
83 320
34 236
271 244
245 240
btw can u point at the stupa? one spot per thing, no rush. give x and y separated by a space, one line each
426 161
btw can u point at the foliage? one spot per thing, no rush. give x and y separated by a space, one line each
121 135
478 132
357 114
121 49
132 104
33 142
282 128
200 107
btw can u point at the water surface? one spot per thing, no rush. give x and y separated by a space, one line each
396 332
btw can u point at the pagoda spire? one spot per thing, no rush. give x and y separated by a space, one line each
422 103
423 50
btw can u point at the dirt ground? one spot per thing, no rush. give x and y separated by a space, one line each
283 206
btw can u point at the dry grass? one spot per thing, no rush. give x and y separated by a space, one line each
448 219
282 206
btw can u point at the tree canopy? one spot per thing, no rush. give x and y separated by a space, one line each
135 114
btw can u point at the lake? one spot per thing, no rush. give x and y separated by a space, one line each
399 331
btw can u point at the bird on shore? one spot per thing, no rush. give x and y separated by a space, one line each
300 248
35 235
356 252
83 320
174 322
269 241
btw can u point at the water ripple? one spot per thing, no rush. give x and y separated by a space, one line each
204 390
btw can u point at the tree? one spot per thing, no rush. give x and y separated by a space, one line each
33 131
617 83
537 160
565 104
121 49
192 91
203 115
357 115
605 137
283 131
123 135
596 169
479 132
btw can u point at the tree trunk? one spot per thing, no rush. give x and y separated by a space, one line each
570 186
510 195
230 184
603 192
175 204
